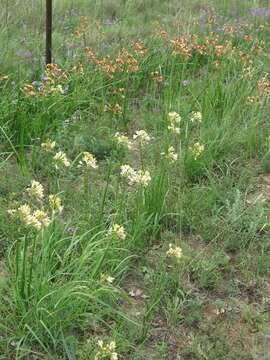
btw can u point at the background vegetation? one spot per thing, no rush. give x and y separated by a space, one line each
167 259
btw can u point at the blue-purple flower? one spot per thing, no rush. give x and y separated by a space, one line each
71 230
186 83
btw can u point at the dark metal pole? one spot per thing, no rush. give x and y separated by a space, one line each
48 31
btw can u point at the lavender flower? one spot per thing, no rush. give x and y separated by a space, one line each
66 89
26 54
37 83
186 83
259 12
44 77
71 230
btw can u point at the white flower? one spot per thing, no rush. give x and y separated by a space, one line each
61 159
141 136
36 190
100 343
174 129
114 356
127 171
123 140
27 218
171 155
24 210
88 160
107 278
197 150
32 221
118 231
174 251
12 213
174 118
42 217
196 117
55 203
140 177
106 350
48 145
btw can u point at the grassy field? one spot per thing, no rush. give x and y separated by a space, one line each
135 181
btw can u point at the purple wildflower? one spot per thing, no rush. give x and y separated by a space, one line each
66 88
26 54
71 230
37 83
44 77
260 12
186 82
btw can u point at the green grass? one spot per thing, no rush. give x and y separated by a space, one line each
106 267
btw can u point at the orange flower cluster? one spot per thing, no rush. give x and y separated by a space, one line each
186 47
56 73
105 64
248 38
264 86
124 62
244 57
120 93
78 69
157 77
139 48
81 28
258 47
248 72
250 100
211 19
159 31
116 108
51 83
29 90
231 30
181 46
224 49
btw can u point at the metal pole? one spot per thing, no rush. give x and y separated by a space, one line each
48 31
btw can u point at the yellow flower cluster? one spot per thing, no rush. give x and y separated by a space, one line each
196 117
105 278
140 177
36 190
123 140
37 219
55 203
174 251
3 77
141 137
171 155
117 231
107 350
174 120
78 69
82 27
60 159
197 150
88 161
157 77
48 145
